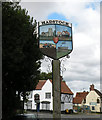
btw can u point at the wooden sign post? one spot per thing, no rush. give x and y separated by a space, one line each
56 89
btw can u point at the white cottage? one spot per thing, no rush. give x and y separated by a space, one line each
44 90
93 99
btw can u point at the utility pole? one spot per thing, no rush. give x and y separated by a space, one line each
56 89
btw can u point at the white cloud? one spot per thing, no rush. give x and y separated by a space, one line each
83 67
60 1
80 86
39 10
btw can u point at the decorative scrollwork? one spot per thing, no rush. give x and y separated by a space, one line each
62 66
49 66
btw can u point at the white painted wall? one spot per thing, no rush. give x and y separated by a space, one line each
33 102
47 88
92 98
68 106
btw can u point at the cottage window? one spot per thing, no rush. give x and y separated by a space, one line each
36 97
98 101
62 106
45 105
84 100
93 107
47 95
29 105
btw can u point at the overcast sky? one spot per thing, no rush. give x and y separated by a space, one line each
83 66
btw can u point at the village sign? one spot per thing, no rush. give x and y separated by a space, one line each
55 38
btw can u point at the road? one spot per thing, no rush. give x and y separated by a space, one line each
76 117
81 116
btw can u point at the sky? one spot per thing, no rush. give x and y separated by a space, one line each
83 67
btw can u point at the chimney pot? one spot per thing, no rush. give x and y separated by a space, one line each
91 87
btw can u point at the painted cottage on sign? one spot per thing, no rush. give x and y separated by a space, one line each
44 91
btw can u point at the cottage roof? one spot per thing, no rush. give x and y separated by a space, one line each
98 92
64 87
40 84
77 100
80 96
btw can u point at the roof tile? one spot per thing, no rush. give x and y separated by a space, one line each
98 92
40 84
80 96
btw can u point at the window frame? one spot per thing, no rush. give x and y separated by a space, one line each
93 107
45 106
84 101
98 101
29 105
48 95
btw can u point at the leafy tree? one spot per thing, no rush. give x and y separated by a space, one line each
20 55
45 76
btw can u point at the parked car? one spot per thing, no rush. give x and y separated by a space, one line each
75 111
69 111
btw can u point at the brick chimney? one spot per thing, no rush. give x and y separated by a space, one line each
91 87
